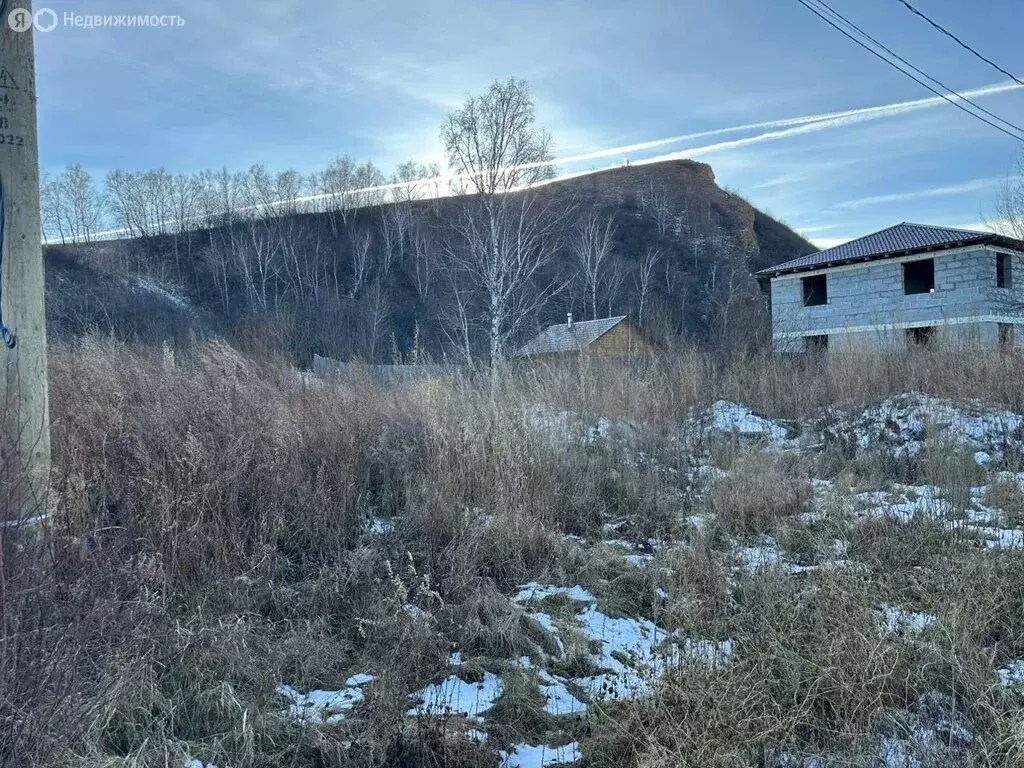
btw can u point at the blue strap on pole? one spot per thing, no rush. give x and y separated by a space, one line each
10 340
6 333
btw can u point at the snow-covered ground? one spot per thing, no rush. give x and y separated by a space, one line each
150 286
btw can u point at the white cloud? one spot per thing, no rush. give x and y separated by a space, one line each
974 185
830 242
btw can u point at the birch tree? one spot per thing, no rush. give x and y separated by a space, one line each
423 253
72 206
644 278
414 181
502 240
361 242
592 244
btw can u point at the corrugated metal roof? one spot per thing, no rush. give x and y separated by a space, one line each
561 338
896 240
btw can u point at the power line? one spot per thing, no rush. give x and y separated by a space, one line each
1019 135
956 102
960 42
924 74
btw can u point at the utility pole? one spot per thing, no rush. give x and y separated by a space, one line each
25 422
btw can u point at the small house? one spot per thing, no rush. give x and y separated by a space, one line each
609 337
904 286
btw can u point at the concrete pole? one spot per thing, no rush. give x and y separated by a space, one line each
25 449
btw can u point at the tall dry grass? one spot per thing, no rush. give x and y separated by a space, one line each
213 540
663 389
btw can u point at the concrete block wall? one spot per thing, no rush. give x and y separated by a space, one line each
869 300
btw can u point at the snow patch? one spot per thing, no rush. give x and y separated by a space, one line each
380 526
567 427
898 619
530 756
934 733
535 591
1012 675
999 538
149 285
908 502
734 419
324 707
632 652
901 424
454 696
559 701
635 652
768 555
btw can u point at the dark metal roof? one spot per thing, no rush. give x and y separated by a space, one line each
901 240
563 338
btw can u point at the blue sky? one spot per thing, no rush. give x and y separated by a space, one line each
294 85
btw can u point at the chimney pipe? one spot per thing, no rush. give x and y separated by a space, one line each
570 321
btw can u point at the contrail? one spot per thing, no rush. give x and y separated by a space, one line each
836 120
774 130
852 115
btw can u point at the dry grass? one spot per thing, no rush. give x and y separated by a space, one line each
761 490
212 542
1007 496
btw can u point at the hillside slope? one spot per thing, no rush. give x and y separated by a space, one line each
378 280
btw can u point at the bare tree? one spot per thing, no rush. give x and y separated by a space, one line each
493 142
186 193
259 256
378 311
49 192
654 201
141 202
1009 207
644 278
423 254
336 184
1010 222
73 207
396 221
362 243
615 276
368 186
414 181
502 240
344 187
218 207
219 202
592 243
456 318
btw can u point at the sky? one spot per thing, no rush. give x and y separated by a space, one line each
294 85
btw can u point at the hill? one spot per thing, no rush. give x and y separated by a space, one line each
378 280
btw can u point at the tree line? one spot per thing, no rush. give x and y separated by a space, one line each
348 262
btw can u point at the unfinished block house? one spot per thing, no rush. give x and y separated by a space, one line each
908 285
